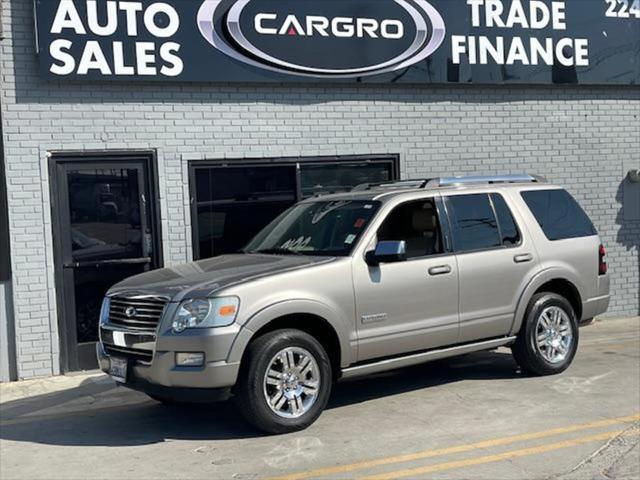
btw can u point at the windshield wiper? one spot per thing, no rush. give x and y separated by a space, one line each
276 251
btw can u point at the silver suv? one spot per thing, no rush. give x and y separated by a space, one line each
350 284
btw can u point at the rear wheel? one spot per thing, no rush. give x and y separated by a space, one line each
548 339
285 381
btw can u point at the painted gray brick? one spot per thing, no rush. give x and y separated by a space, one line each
583 137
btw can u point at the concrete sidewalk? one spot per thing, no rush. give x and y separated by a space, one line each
40 386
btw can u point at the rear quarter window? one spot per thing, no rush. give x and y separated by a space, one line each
558 214
508 228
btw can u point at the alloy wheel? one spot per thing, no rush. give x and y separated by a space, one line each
292 382
554 334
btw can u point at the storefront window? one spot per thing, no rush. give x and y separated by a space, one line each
233 203
324 179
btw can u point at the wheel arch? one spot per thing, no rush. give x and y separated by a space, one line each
311 317
566 289
548 281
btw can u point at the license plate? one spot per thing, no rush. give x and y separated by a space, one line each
118 369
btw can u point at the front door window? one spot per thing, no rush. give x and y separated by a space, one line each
415 223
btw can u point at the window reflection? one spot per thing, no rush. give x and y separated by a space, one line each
104 211
234 203
474 224
325 179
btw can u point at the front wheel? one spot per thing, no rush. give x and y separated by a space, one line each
285 381
548 339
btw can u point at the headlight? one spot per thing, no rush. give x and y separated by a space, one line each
200 313
104 311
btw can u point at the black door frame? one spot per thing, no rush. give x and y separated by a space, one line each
66 330
394 158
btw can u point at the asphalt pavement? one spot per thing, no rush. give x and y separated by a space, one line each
472 417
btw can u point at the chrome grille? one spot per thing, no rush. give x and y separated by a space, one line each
136 313
137 354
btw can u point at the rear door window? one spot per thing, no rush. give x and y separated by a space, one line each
508 228
473 223
558 214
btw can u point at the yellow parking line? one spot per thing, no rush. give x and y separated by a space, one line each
456 449
412 472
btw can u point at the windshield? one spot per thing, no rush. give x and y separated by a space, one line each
318 228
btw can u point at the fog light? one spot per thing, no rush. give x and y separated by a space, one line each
189 359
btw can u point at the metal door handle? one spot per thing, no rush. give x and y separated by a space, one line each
440 270
525 257
118 261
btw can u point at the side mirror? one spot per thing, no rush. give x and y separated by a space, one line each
387 252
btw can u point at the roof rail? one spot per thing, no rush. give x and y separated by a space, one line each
450 181
522 178
411 183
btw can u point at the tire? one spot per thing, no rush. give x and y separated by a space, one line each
291 409
540 336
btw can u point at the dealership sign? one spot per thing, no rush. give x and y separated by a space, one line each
374 41
324 38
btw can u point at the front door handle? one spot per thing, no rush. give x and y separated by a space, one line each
440 270
523 258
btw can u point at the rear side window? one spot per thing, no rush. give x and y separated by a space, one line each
473 223
558 214
508 228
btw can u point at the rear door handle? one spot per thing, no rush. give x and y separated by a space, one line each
440 270
523 258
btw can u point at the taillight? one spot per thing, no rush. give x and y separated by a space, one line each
602 264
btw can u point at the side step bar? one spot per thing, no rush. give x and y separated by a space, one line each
418 358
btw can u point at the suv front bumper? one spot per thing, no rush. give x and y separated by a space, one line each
160 368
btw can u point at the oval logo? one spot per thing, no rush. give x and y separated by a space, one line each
130 312
339 39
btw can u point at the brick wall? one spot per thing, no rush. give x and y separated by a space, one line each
583 137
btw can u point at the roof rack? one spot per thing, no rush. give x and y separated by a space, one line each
450 181
490 179
412 183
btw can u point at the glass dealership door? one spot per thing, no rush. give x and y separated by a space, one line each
105 234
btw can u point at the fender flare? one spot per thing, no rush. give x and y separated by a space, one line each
294 307
534 284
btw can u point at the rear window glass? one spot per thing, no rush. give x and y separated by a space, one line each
473 223
558 214
508 227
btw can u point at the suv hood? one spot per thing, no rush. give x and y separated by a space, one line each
205 277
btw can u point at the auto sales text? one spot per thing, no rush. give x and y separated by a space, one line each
116 21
